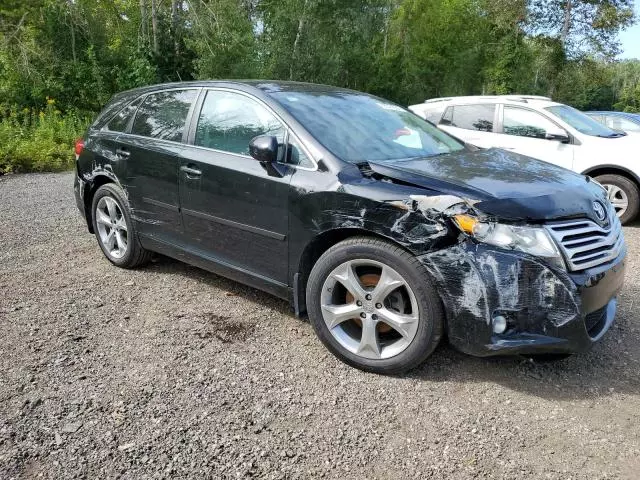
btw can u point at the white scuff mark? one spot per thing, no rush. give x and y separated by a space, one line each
348 220
397 225
506 282
472 293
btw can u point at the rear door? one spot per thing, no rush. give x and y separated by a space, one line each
151 152
473 123
524 130
235 210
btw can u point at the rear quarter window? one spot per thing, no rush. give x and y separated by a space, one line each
470 117
120 122
433 115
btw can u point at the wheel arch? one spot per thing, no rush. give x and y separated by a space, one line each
97 181
314 250
613 170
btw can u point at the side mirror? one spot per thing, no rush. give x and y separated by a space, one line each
264 148
557 134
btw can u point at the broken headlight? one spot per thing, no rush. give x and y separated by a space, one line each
532 240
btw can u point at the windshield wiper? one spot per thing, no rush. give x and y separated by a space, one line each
614 135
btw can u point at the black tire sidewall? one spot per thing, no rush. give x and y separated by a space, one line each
429 307
116 193
629 188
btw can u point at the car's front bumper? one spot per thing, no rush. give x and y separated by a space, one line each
548 310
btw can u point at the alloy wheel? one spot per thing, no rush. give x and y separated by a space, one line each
369 309
618 198
112 227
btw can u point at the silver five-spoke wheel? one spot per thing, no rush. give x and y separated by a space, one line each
369 309
112 227
618 198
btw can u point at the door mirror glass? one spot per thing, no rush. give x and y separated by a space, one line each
557 134
264 148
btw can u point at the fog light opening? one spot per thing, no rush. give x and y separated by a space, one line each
499 324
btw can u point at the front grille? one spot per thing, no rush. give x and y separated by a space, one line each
595 321
585 244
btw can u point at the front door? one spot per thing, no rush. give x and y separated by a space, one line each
524 131
235 210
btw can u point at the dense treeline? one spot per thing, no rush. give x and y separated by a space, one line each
61 60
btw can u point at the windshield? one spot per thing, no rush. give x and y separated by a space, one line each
583 123
358 128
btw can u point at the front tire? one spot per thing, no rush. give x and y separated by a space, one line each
114 228
623 195
373 305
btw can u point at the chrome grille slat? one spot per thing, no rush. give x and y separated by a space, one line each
586 244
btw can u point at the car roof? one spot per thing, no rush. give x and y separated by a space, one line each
635 116
267 86
508 99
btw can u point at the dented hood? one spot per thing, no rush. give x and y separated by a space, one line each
506 185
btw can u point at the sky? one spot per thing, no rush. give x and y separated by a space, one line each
630 38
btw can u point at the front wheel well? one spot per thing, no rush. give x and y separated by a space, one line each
314 250
97 182
597 171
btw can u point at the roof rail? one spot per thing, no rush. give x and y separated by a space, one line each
517 98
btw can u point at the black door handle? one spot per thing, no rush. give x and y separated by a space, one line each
191 172
121 152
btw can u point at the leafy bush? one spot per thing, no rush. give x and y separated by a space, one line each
38 141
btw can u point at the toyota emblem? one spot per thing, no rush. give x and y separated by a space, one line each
599 210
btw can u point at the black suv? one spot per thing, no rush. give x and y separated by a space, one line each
388 232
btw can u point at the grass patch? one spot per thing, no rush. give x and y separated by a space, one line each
39 140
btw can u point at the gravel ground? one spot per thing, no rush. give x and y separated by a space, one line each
170 371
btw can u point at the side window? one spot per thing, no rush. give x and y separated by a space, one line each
619 123
433 116
447 118
120 122
228 121
608 121
526 123
163 115
473 117
296 156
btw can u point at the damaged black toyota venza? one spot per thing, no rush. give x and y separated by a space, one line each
388 232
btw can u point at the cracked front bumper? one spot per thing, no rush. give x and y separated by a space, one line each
547 310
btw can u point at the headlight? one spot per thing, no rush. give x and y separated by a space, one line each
532 240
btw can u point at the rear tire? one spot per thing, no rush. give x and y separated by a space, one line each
374 306
621 191
114 228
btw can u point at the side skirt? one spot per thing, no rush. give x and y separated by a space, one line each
218 267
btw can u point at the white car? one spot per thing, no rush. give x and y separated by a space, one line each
546 130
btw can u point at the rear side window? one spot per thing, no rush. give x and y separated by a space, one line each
470 117
433 116
163 115
526 123
228 121
120 122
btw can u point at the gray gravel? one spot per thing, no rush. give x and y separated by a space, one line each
170 371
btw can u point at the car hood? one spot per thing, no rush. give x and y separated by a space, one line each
505 185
